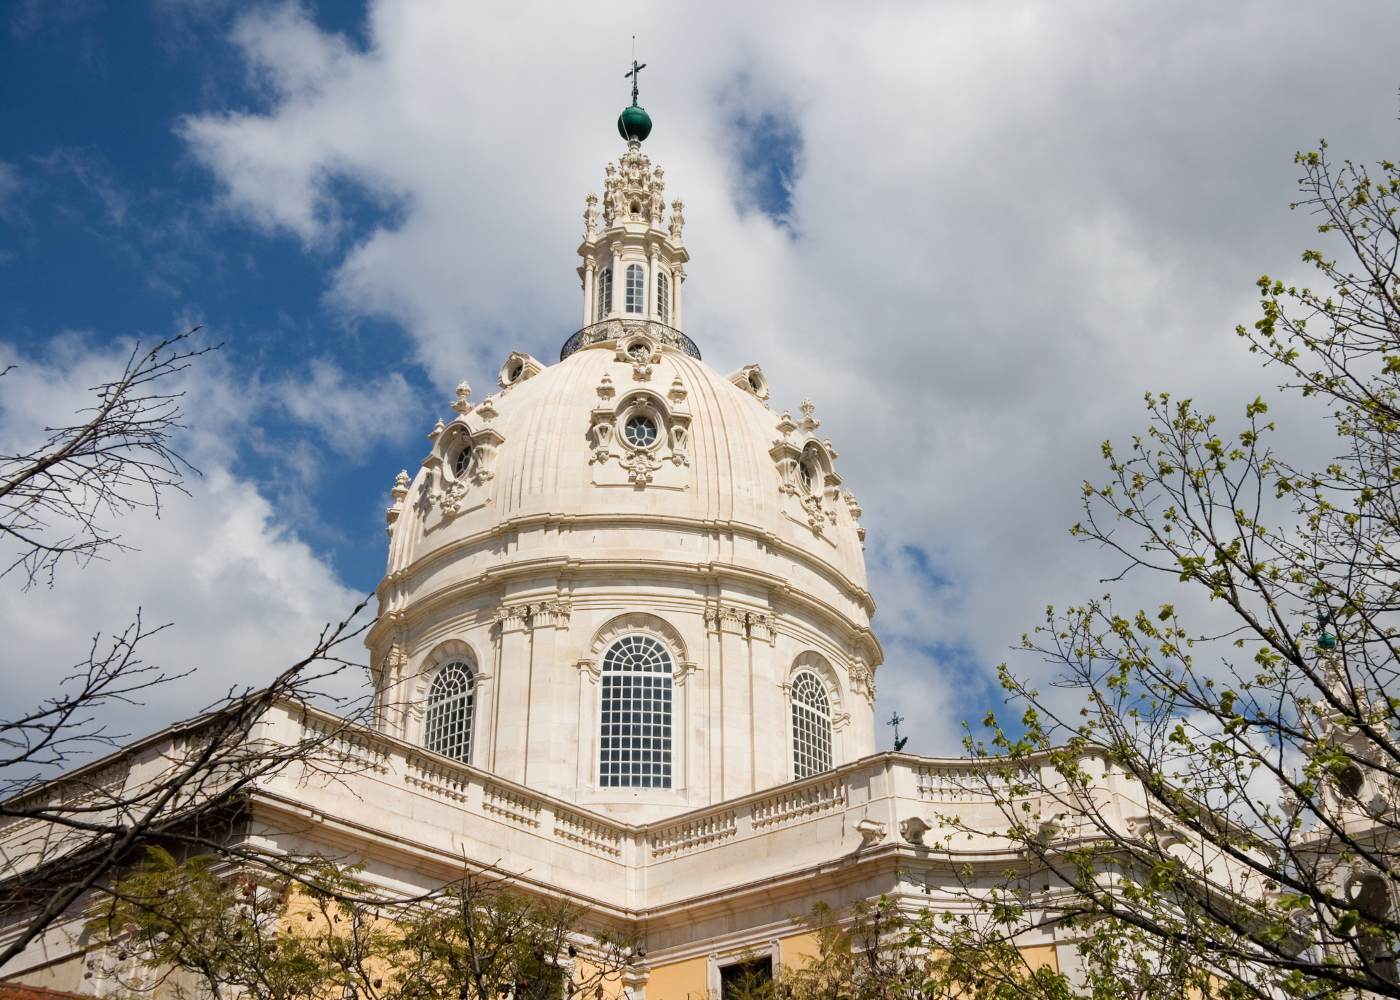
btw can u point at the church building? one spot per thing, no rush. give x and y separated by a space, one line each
624 652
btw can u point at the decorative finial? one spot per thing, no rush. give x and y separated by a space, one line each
463 403
634 124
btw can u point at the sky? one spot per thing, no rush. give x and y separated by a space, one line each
973 234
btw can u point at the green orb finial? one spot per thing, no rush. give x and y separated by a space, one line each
634 123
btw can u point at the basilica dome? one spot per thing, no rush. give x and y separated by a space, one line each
623 578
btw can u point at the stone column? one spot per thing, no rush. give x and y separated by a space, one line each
650 311
677 281
590 283
735 716
551 745
512 694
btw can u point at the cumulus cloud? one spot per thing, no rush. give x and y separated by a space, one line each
244 594
1006 222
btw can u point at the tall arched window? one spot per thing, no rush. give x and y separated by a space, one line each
811 727
636 288
448 729
663 297
634 742
604 295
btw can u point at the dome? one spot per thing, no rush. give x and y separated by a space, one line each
623 579
721 489
634 123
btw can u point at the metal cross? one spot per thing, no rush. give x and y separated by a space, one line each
635 74
895 720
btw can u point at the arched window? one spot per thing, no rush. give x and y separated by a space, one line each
634 742
811 727
448 729
604 293
636 288
663 297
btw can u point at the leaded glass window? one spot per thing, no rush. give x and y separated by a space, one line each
604 293
640 431
448 729
636 287
634 745
663 297
462 461
811 727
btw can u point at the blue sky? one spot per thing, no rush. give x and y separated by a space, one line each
115 232
972 233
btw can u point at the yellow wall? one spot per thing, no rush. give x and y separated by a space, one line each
686 980
683 980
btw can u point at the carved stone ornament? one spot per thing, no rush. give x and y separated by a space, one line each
913 830
741 621
633 191
463 403
871 832
590 216
535 614
517 367
399 493
862 679
751 379
455 493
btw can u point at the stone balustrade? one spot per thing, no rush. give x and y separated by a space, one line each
387 787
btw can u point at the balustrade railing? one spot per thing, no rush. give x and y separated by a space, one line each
616 329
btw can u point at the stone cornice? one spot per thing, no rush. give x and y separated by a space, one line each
564 568
710 525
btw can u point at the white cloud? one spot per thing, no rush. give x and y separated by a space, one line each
350 417
1010 220
246 597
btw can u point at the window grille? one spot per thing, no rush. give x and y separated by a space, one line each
448 729
604 295
636 288
663 297
811 727
635 737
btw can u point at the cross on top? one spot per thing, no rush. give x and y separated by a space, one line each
635 73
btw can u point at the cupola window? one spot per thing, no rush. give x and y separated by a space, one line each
448 728
636 288
604 293
635 738
811 727
640 431
807 472
663 297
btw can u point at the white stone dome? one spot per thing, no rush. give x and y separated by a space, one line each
628 500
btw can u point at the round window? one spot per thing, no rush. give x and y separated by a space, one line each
755 381
640 431
638 351
514 372
462 461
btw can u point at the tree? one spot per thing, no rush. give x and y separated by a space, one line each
57 498
320 932
1258 730
64 840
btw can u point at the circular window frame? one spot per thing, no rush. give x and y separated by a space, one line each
638 351
647 414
